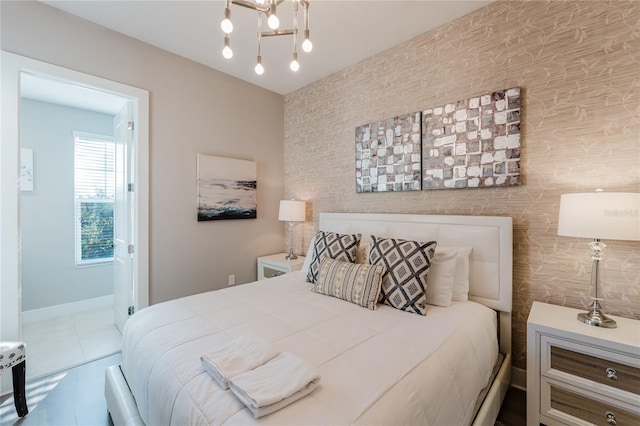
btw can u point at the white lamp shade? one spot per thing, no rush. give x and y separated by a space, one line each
601 215
292 211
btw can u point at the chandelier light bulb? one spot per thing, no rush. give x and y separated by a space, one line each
260 1
227 52
259 68
273 22
226 24
307 46
295 65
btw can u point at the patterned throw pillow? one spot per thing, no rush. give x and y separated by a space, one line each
336 246
357 283
404 286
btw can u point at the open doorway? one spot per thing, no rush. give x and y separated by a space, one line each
67 205
116 279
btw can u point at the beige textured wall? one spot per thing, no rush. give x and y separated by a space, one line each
193 109
578 64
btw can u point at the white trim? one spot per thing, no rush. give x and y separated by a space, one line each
141 204
12 66
519 378
51 312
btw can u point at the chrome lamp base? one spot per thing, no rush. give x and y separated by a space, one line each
291 256
596 318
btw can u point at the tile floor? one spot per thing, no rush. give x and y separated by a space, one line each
64 342
67 398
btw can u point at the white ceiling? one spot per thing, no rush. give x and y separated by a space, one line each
343 32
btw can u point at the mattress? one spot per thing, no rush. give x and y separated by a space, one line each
377 367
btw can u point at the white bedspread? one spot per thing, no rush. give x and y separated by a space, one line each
376 367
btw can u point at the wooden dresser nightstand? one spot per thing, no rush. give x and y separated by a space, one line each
276 264
579 374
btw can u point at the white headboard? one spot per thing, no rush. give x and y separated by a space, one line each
491 261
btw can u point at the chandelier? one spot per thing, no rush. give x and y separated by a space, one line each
267 9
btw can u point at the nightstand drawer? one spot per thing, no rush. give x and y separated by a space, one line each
573 407
619 376
570 370
270 272
277 264
585 366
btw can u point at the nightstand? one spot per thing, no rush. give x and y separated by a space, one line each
579 374
276 264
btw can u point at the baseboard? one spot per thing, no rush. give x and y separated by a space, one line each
519 378
56 311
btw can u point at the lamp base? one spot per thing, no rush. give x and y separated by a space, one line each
291 256
596 318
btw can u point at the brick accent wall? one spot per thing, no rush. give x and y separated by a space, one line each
578 64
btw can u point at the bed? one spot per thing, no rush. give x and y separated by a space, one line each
383 366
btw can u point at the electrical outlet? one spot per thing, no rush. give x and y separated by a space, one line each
232 280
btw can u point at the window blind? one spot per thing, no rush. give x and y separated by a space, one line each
94 193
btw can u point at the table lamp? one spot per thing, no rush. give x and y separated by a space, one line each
601 216
292 212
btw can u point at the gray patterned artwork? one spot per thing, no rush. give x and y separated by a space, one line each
472 143
388 155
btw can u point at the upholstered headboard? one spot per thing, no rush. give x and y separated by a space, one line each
491 261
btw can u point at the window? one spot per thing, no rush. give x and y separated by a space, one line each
94 192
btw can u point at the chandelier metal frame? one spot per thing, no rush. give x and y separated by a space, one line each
268 9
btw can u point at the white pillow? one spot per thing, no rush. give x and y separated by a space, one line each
308 258
362 255
441 277
461 279
460 291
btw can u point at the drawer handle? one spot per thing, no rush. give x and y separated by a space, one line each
611 418
611 374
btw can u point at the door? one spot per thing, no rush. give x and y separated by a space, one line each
123 217
10 285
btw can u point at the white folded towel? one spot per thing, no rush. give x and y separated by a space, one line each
240 355
274 385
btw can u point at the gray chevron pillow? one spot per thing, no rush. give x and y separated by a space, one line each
333 245
404 286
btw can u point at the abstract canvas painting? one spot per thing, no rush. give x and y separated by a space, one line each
472 143
226 188
388 155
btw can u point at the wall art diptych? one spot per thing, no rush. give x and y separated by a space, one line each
388 155
472 143
226 188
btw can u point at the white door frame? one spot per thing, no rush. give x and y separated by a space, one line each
10 289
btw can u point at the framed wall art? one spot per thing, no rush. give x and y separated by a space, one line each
227 188
472 143
388 155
